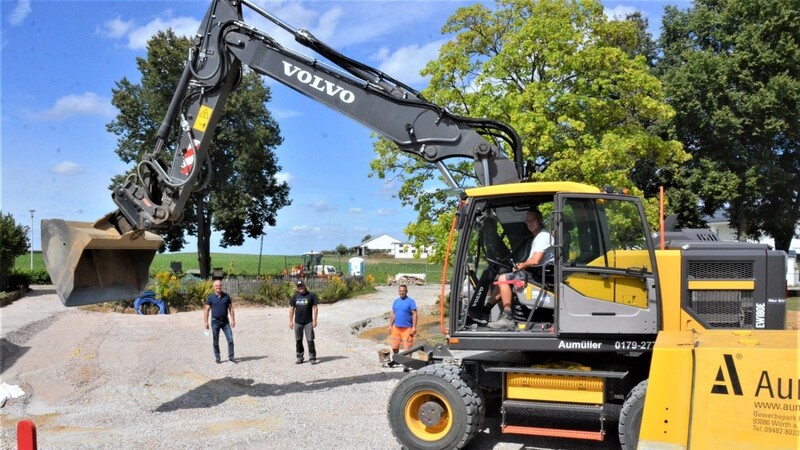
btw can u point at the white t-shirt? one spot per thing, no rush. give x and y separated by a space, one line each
541 242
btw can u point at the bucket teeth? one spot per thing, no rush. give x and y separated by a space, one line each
94 263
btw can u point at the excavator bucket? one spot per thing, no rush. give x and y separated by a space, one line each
94 263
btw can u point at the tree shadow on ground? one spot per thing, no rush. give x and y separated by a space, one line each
216 392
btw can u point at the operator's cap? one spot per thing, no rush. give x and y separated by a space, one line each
301 283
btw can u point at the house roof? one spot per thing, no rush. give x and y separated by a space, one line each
717 217
363 243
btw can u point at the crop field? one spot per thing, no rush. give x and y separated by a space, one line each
268 265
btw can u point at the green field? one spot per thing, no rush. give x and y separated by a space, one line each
248 265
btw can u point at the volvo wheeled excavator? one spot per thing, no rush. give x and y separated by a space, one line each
681 344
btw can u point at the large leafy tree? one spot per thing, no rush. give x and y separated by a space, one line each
730 69
575 86
243 196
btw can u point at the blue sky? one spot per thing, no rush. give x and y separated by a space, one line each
61 59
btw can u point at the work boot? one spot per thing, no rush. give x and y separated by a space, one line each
504 322
478 318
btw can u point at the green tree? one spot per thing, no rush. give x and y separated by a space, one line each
554 70
642 43
730 70
13 242
243 196
342 249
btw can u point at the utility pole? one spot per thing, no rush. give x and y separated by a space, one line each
32 211
260 250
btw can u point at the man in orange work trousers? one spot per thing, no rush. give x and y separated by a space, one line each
402 322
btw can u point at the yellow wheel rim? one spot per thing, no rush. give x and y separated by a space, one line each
414 422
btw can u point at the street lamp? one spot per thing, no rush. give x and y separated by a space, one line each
260 251
32 211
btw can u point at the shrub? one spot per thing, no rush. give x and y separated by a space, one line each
168 288
195 293
40 277
270 294
18 280
335 289
13 242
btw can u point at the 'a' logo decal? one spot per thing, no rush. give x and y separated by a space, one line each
721 382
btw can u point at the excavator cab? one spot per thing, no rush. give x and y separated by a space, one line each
93 263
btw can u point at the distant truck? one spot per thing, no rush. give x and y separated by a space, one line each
325 271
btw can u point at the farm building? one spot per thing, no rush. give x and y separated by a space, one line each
409 250
383 243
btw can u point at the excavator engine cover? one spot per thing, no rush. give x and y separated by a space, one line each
94 263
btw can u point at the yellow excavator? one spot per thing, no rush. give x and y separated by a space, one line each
681 344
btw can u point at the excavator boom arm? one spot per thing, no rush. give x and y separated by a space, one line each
110 259
224 43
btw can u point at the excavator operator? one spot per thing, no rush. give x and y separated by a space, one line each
542 240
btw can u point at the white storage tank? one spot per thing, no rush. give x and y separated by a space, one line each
356 266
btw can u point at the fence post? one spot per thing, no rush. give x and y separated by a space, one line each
26 435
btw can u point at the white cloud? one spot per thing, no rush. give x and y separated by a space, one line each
182 26
66 168
86 104
281 113
619 12
326 26
355 210
309 232
21 12
115 28
138 35
406 62
323 206
389 189
385 212
284 177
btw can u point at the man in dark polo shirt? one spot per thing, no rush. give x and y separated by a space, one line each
221 308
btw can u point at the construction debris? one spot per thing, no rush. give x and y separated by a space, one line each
414 279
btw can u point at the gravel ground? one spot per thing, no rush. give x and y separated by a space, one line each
108 380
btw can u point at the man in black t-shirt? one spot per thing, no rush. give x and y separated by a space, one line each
221 308
303 319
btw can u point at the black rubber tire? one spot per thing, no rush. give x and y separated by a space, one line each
447 386
630 418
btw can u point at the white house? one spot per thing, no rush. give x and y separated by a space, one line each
382 243
720 225
409 250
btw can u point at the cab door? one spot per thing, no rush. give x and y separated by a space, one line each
606 266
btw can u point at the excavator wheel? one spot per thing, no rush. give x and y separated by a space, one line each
630 418
436 407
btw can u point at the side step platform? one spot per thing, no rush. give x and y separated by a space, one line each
528 390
